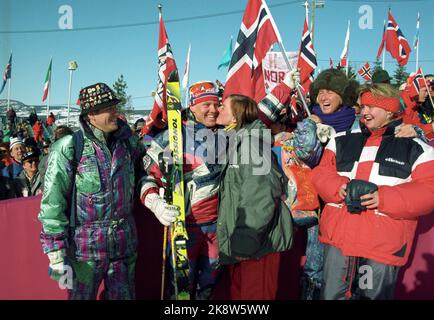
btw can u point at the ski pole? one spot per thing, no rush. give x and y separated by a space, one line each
172 247
163 268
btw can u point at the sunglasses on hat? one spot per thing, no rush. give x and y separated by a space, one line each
201 86
202 91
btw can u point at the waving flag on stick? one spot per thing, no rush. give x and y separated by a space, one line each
365 72
307 58
415 82
166 69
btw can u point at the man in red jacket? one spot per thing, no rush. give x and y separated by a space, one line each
370 234
51 119
37 130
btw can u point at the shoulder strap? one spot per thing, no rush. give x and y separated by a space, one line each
11 170
78 143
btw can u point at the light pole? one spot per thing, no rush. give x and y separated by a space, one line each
72 66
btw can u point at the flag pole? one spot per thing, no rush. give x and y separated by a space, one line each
348 49
426 84
49 87
188 76
48 103
69 95
9 84
384 48
9 92
417 40
285 58
282 50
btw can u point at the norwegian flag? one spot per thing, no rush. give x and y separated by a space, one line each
166 69
395 42
306 58
415 82
365 72
258 33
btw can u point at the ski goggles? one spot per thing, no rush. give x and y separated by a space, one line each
203 91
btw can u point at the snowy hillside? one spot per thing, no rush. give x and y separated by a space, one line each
60 112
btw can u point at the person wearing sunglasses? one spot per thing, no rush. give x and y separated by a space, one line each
28 183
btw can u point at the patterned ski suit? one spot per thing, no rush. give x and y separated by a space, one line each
102 244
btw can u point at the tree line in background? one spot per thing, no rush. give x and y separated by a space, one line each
400 74
126 104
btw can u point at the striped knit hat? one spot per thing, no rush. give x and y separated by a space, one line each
203 91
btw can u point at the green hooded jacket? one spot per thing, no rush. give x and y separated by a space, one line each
253 219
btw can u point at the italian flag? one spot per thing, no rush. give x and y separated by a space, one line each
47 82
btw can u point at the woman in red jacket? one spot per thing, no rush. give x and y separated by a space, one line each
369 238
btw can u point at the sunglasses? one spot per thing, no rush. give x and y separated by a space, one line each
199 87
3 151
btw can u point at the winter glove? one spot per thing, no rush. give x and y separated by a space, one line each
56 268
324 132
292 78
165 213
356 189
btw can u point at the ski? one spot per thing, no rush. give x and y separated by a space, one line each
178 231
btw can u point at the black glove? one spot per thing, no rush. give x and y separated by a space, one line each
356 189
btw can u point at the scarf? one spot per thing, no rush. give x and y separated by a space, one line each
340 120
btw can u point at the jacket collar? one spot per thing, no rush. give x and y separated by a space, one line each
122 133
388 130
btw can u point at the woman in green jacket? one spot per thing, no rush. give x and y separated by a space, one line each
254 224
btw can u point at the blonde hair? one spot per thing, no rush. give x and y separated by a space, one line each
244 109
380 90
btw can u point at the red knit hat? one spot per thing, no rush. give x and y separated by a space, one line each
387 103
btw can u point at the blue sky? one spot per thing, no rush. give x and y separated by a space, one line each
103 54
